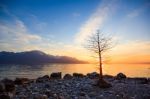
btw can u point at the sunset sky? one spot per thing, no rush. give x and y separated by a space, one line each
60 27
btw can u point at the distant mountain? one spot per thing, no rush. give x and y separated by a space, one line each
34 57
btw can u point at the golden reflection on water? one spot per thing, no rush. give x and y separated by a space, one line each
29 71
131 70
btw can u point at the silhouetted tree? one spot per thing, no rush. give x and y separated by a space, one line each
99 44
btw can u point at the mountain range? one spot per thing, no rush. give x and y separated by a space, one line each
34 57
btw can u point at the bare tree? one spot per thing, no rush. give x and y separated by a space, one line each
99 44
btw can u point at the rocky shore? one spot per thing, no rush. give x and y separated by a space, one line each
76 86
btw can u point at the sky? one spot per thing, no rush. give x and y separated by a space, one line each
61 27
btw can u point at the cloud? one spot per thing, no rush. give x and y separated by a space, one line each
131 52
95 21
17 31
17 37
16 34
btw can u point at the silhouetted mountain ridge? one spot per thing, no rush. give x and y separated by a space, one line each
34 57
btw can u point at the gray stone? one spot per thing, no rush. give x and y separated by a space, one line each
56 75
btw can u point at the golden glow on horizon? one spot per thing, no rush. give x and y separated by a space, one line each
130 52
131 70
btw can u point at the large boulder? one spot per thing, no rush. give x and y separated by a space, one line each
93 75
67 76
9 85
2 87
120 76
78 75
56 75
4 96
42 79
148 80
20 81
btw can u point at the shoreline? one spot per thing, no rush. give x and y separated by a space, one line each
76 86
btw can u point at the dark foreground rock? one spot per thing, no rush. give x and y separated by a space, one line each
19 81
103 84
68 76
9 85
80 87
78 75
93 75
120 76
56 75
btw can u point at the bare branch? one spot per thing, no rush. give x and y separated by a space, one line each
98 44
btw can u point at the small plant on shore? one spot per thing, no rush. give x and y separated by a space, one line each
99 44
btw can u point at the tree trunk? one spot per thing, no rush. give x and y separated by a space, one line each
100 67
100 59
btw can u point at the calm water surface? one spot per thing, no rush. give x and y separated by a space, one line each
34 71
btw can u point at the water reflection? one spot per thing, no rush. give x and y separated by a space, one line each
34 71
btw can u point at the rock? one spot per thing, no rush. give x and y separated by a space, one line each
92 94
9 85
62 86
47 85
67 76
55 95
48 93
104 84
148 80
82 93
42 79
101 97
22 96
78 75
67 84
146 96
93 75
39 96
86 87
3 96
7 81
55 75
61 97
11 94
2 87
20 81
108 76
120 76
142 80
46 77
44 97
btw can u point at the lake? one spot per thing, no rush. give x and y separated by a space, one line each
34 71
